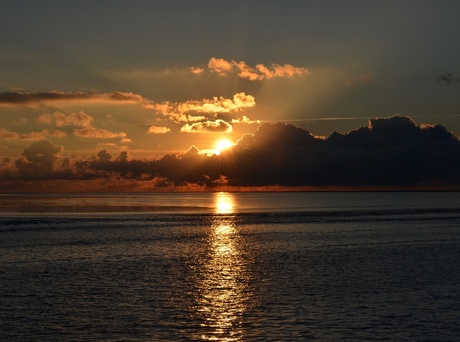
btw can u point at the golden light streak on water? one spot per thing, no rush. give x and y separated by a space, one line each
222 278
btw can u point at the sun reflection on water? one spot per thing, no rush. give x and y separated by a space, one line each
222 278
224 203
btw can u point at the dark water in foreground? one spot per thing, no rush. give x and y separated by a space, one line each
231 267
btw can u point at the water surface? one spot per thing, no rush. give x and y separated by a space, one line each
230 267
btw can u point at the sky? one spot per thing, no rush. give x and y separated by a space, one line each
107 81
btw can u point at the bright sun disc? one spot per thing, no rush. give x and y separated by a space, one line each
223 144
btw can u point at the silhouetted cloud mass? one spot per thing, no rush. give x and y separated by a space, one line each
392 152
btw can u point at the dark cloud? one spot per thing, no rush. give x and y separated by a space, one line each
39 161
389 153
123 156
25 98
448 79
104 156
42 152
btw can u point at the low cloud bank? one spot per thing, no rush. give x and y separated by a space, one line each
388 153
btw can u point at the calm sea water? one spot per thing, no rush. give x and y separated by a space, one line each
230 267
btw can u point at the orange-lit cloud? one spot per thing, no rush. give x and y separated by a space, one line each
91 132
218 126
196 70
191 111
82 124
9 135
6 134
180 112
42 135
80 119
260 72
158 130
245 120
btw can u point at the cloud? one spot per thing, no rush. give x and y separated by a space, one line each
218 126
388 153
45 119
8 135
28 98
181 112
448 79
245 120
196 70
176 112
82 124
223 67
103 155
98 133
80 119
123 156
42 152
158 130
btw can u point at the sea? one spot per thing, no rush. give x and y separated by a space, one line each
243 266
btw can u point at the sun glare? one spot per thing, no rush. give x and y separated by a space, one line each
224 203
223 144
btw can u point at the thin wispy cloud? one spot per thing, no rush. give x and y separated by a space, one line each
43 98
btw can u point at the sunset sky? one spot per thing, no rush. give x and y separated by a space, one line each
148 78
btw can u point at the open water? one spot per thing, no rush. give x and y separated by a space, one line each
230 267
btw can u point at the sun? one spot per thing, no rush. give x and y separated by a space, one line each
222 144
